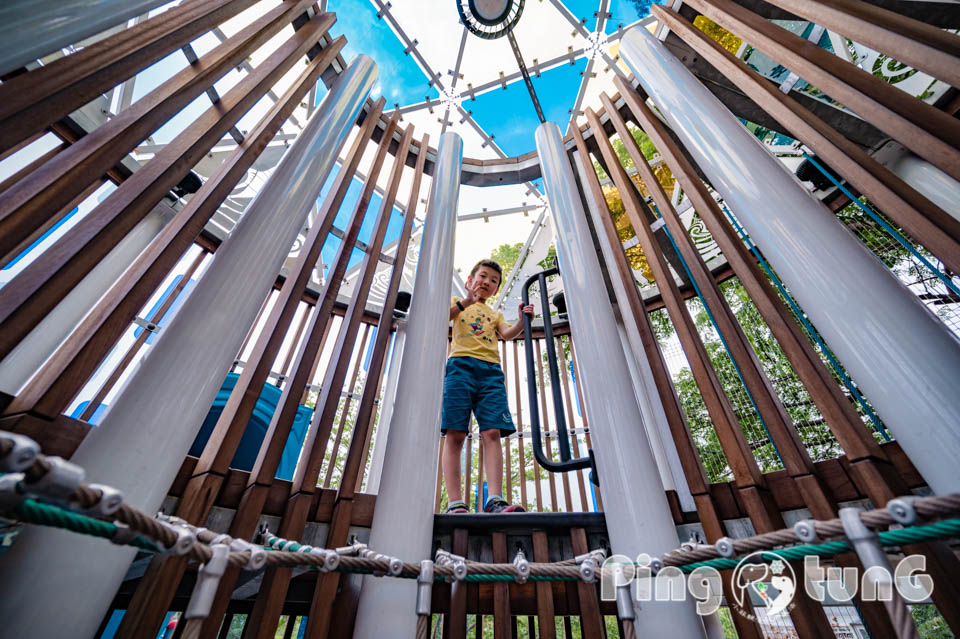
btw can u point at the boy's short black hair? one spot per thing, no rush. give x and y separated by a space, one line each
489 264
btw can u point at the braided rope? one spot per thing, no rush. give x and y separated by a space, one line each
423 626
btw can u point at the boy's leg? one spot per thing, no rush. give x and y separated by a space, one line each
452 445
493 460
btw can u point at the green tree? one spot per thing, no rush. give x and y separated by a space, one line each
506 255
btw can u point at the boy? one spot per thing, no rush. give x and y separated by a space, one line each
474 382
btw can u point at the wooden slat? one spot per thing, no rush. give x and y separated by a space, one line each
769 406
345 409
728 429
841 417
366 410
545 615
468 471
32 101
455 623
501 590
545 428
522 456
925 130
507 458
583 413
63 375
923 220
28 203
923 47
288 357
590 620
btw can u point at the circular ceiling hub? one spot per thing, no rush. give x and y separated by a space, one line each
490 19
490 12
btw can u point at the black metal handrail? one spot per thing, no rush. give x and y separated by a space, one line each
566 463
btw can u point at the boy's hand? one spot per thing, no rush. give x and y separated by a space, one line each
526 310
469 298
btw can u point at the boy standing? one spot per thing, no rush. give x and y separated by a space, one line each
475 383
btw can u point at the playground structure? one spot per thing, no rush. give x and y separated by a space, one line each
873 363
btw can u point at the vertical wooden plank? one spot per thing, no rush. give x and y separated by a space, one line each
346 407
571 424
545 615
583 412
467 472
285 367
522 465
436 500
545 430
508 466
455 623
590 620
501 590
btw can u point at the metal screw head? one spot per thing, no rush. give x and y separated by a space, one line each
805 531
724 546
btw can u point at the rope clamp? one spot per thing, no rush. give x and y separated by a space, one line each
60 482
867 545
903 510
10 495
656 565
725 547
806 531
424 587
523 567
258 556
186 539
208 578
446 558
22 454
222 538
110 501
354 549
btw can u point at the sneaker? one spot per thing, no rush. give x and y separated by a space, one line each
500 506
456 508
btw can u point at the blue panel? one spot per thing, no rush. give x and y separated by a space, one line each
394 227
36 242
584 9
111 629
509 115
329 251
170 311
370 341
401 80
355 257
350 200
628 11
97 416
370 218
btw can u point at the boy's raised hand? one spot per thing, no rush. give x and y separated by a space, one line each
525 310
470 297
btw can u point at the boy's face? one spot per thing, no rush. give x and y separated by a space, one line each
484 282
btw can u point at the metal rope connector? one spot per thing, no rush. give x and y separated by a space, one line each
208 578
186 538
806 531
725 547
424 587
523 567
351 550
258 556
110 501
459 564
903 510
59 482
22 452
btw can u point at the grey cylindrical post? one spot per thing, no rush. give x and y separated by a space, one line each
403 520
30 29
636 509
904 358
144 437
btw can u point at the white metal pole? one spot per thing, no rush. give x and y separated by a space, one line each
386 409
902 356
403 519
30 29
26 359
636 509
144 437
934 184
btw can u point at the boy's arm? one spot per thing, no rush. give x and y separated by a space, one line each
508 332
465 302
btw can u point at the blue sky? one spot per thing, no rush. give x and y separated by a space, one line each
509 116
401 80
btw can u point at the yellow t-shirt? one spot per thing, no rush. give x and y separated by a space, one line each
474 332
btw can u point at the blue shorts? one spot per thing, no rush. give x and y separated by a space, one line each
473 385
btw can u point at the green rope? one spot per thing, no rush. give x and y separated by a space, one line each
43 514
911 535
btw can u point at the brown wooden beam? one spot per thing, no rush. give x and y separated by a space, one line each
27 204
927 131
32 101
